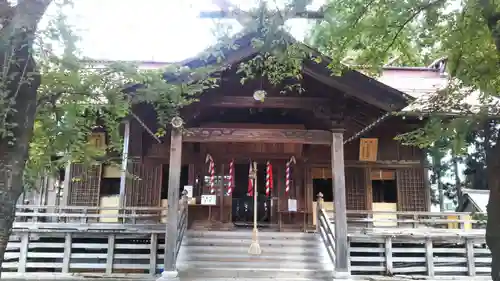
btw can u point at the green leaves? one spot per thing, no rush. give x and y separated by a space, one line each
78 96
372 33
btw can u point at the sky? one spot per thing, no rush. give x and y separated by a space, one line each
160 30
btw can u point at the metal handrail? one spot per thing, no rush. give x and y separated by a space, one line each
182 223
325 228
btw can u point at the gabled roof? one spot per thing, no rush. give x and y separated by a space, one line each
351 82
478 198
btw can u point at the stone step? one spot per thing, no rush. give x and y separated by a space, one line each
248 233
246 258
223 241
247 264
233 249
266 253
262 273
220 254
258 278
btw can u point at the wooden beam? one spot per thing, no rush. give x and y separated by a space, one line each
125 156
338 172
257 135
174 181
269 102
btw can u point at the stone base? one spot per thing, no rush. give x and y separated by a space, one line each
169 276
342 275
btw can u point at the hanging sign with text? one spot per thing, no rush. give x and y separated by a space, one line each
210 200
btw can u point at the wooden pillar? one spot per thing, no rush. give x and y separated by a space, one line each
338 172
174 181
123 175
66 185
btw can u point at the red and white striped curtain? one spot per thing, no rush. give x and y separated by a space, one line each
230 184
269 178
211 173
250 180
288 177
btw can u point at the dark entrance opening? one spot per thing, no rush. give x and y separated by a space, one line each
242 212
324 186
385 191
164 180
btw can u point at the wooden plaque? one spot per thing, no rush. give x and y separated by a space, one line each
368 148
98 140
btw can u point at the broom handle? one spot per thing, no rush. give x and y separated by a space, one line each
255 197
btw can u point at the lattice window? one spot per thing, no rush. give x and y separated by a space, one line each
411 190
355 188
84 185
143 185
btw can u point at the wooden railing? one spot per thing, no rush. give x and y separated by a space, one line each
387 219
325 228
58 252
416 255
85 214
69 241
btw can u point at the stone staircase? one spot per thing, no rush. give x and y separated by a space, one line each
223 255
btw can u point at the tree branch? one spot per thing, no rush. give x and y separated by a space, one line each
410 19
492 17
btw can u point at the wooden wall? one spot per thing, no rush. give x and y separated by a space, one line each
143 186
413 193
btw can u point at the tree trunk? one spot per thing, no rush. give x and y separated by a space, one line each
458 182
493 209
10 189
493 224
20 82
441 194
14 147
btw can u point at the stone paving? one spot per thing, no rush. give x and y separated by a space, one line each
147 278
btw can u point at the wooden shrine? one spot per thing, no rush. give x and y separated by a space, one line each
351 111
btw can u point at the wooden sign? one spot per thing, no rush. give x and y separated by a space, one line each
380 174
321 173
292 205
368 148
98 140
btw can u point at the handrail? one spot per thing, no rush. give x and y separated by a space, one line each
182 223
86 214
325 229
412 219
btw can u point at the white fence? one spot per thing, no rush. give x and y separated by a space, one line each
416 244
383 254
30 253
89 241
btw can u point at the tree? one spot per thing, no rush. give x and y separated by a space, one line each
50 100
475 161
18 88
467 33
437 152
